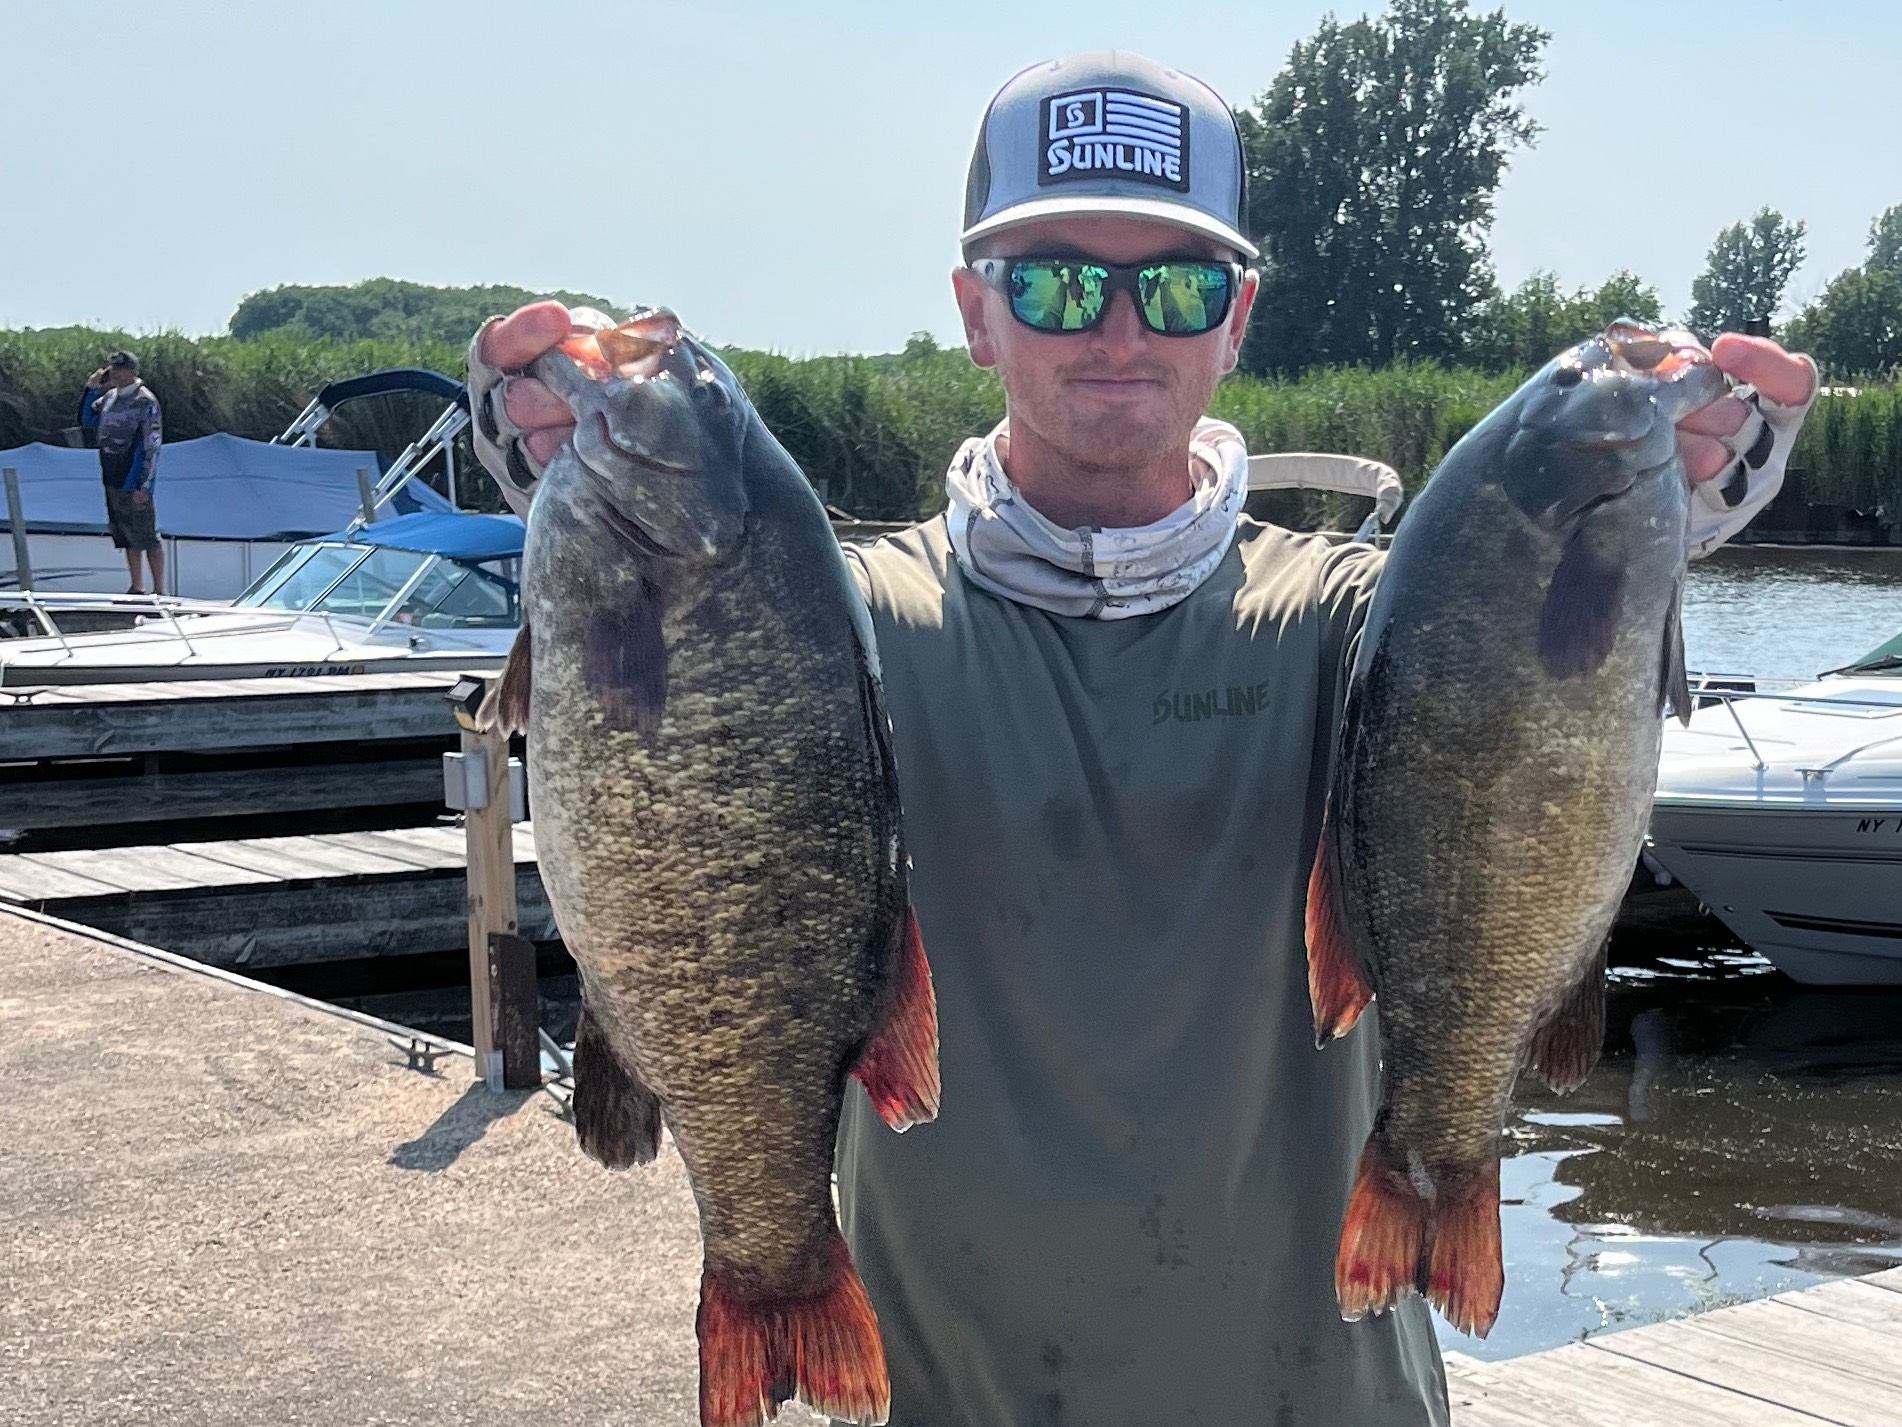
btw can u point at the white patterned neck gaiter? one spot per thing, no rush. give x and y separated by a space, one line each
1008 548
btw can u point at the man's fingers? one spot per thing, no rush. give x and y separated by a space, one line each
1705 457
524 335
1724 417
543 444
1786 380
532 406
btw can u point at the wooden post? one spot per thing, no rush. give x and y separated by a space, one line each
16 522
502 996
366 495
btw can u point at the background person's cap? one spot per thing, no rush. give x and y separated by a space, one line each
122 358
1107 133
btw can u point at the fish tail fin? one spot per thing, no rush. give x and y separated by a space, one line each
506 707
899 1067
756 1353
1466 1274
1337 977
1383 1238
1396 1240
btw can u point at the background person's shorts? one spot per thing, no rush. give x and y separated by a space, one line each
133 526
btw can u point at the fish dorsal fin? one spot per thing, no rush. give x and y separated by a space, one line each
1676 683
506 707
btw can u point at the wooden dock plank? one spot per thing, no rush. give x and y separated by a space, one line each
1784 1327
293 859
333 856
1581 1385
33 884
219 792
1851 1301
180 718
1780 1374
423 856
143 869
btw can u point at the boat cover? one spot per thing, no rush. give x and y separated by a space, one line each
217 487
458 535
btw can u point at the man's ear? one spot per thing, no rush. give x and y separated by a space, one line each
1237 325
970 291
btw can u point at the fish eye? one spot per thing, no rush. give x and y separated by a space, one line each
1567 377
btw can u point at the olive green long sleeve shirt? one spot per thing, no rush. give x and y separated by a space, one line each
1126 1212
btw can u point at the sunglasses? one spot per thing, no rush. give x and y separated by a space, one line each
1175 297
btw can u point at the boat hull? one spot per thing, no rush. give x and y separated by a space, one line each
1818 891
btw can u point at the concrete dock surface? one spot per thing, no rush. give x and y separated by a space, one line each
219 1206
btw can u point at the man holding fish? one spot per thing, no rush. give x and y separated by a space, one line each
1129 1211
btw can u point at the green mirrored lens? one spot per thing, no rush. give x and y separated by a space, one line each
1183 297
1057 297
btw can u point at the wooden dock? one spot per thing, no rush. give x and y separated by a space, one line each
277 901
122 757
1831 1354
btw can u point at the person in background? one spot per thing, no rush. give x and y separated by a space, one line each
124 418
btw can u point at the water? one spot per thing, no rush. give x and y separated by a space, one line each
1790 611
1741 1136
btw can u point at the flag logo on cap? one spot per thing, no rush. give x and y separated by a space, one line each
1114 133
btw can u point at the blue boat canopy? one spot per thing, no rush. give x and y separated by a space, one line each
458 536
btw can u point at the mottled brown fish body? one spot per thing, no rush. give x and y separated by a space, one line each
1498 759
717 823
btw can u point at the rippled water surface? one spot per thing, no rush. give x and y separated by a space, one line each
1741 1136
1791 611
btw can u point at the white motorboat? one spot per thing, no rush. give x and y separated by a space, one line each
422 591
1781 810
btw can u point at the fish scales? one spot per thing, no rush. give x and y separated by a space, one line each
718 827
1498 757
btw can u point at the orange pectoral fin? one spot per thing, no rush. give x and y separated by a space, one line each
1338 987
899 1068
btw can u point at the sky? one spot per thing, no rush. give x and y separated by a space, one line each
790 175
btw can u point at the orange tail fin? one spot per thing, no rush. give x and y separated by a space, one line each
1337 977
899 1068
1394 1241
757 1353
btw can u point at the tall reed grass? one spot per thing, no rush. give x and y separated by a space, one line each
874 433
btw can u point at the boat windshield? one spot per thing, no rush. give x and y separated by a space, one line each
407 587
1883 659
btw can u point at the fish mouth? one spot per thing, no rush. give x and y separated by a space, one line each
1668 354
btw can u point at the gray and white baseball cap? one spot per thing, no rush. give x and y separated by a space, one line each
1108 133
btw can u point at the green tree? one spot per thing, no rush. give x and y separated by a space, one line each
1537 320
1372 160
1746 273
1855 327
387 308
1885 241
